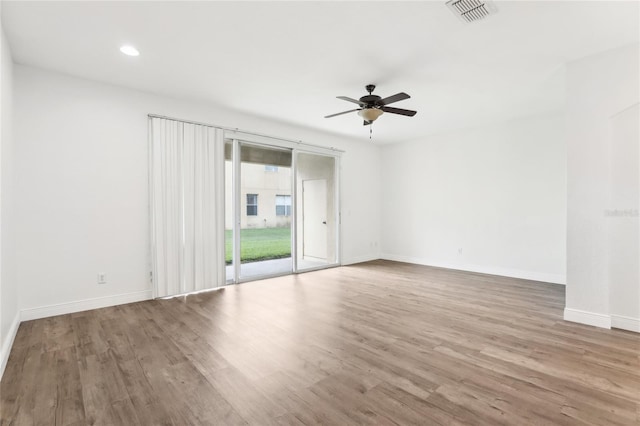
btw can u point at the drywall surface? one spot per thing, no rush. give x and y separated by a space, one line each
81 172
598 88
623 228
488 199
9 313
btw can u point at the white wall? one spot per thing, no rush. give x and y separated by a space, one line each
598 88
497 192
81 172
8 287
623 230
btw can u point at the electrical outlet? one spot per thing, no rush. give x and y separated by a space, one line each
460 251
102 278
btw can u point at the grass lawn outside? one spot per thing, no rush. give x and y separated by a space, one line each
258 244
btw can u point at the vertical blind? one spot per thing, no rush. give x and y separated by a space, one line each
186 189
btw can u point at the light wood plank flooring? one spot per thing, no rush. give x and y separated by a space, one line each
375 343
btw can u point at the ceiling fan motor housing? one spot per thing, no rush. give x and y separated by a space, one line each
370 100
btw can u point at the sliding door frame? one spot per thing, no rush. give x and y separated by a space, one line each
294 213
237 220
239 138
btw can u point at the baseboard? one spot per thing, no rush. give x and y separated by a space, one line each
625 323
360 259
588 318
504 272
8 343
84 305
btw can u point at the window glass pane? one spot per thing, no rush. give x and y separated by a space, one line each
283 205
252 204
265 230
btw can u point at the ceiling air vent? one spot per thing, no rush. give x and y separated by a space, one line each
471 10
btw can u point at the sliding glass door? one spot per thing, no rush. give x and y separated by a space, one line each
280 199
317 207
280 214
265 211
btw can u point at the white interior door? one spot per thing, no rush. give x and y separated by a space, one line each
314 218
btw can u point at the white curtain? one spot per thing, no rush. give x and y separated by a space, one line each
186 195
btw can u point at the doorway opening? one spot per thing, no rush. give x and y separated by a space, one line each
317 204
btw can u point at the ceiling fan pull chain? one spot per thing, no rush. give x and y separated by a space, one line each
370 130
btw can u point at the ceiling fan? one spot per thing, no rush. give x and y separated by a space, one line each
373 106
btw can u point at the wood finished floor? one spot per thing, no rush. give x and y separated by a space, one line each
374 343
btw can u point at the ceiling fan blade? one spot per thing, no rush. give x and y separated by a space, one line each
343 112
355 101
366 123
400 111
391 99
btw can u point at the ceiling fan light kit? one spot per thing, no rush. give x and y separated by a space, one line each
370 114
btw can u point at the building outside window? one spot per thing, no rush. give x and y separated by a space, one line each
269 168
261 192
283 205
252 204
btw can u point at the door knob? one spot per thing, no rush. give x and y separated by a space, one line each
324 222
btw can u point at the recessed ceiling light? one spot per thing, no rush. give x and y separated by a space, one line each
129 50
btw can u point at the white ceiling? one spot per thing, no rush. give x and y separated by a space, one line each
289 60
